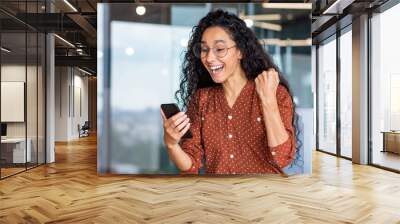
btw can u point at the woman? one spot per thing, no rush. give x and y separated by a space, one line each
240 110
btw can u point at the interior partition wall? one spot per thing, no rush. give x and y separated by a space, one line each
22 77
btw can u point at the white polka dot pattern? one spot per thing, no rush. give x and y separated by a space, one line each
233 140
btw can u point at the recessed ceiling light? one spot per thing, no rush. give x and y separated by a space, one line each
70 5
337 7
129 51
140 10
65 41
268 26
249 22
287 5
5 50
287 42
263 17
184 42
84 71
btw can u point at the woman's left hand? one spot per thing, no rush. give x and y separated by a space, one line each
266 85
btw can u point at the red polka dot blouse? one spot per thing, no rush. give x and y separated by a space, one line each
233 140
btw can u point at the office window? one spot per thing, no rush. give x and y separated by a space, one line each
346 94
385 88
327 96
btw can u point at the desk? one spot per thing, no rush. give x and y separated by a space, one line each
17 150
391 141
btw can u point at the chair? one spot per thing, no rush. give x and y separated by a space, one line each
84 130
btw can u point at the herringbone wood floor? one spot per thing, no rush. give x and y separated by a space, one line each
70 191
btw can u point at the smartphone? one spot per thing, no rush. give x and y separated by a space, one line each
170 109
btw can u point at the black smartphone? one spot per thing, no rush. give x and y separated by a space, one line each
170 109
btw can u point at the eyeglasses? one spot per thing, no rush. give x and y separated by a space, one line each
201 51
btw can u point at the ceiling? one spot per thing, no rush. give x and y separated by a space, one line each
331 15
76 23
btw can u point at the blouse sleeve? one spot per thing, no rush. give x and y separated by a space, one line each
193 146
284 153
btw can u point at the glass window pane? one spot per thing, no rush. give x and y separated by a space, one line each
31 87
41 98
22 89
346 94
31 101
385 86
327 96
13 86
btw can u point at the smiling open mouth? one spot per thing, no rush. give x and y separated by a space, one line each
216 69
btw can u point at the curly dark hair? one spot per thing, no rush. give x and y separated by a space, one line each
254 58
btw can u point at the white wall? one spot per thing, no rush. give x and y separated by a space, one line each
61 103
71 94
12 73
33 126
80 103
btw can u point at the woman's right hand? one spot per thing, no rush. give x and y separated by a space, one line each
174 128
